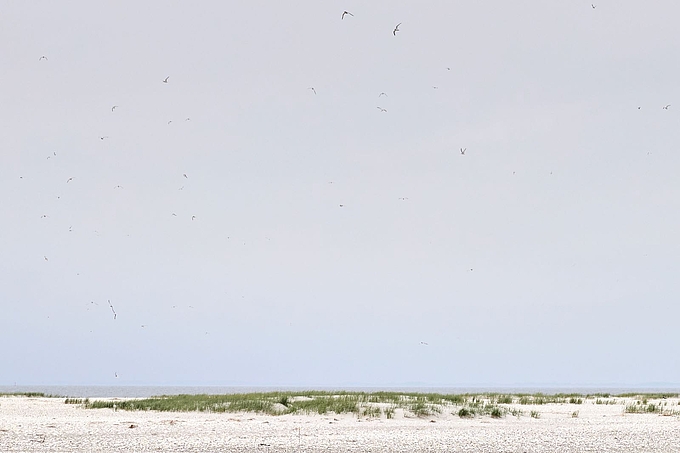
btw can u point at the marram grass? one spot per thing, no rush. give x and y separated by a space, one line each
365 404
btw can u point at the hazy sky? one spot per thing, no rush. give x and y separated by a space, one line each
547 254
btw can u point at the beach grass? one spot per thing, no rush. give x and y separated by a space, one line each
370 404
30 395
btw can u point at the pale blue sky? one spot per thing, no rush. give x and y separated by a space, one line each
547 254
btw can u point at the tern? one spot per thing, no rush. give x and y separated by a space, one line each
69 180
114 108
346 12
166 79
396 29
42 58
313 90
382 94
462 151
104 137
665 107
114 312
382 109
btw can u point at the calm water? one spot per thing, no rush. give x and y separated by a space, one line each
145 391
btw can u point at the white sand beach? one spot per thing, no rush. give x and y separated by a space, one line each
49 425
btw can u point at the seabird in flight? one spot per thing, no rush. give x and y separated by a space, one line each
166 79
396 29
114 312
312 88
381 109
462 151
346 12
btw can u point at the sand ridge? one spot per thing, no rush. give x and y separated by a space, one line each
49 425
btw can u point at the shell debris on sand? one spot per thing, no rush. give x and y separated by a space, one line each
49 425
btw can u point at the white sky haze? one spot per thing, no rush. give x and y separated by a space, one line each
547 254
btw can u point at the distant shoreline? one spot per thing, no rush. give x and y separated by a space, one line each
145 391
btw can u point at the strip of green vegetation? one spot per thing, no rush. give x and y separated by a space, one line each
30 395
76 401
363 404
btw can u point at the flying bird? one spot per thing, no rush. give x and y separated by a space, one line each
665 107
45 258
342 205
381 109
69 180
424 344
594 6
114 108
312 88
114 313
169 121
174 215
396 29
102 138
44 216
185 175
193 217
166 79
188 119
382 94
116 375
346 12
462 151
436 88
42 58
403 198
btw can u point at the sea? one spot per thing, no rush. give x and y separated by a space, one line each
131 391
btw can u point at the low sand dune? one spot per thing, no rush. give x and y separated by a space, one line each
49 425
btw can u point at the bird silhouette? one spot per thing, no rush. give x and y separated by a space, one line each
42 58
382 109
114 312
665 107
313 90
396 29
166 79
114 108
462 151
346 12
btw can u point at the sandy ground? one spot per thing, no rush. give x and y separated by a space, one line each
49 425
